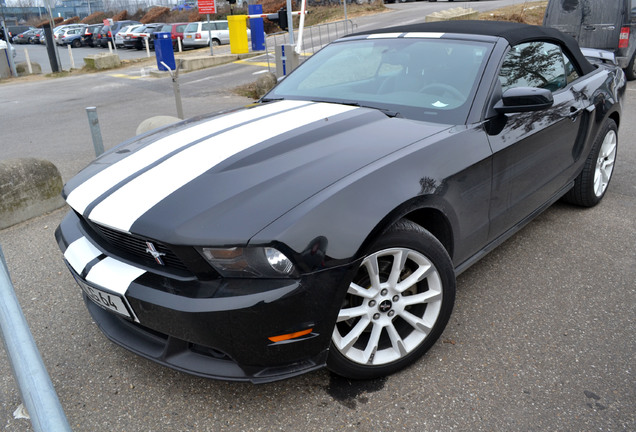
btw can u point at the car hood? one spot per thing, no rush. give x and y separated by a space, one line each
220 180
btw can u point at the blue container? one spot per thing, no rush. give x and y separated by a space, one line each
164 51
256 27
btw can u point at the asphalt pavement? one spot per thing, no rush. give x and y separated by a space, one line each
542 336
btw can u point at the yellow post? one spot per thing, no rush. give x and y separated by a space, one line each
238 34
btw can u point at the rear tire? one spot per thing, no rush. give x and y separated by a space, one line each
591 184
396 306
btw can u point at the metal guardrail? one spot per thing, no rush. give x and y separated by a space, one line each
314 38
34 383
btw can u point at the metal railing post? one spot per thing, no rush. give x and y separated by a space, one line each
174 74
34 383
96 132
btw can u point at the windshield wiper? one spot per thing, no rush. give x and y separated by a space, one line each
387 112
265 100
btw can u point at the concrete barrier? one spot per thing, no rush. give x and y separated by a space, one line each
156 122
102 61
28 188
23 69
192 63
457 13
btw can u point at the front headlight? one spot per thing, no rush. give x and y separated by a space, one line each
266 262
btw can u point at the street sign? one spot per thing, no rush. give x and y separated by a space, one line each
206 7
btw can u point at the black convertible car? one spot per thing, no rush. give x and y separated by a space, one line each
325 225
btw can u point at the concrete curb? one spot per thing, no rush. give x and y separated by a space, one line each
458 13
192 63
28 188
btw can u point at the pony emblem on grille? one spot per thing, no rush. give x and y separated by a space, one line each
155 254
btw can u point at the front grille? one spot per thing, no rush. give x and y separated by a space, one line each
137 246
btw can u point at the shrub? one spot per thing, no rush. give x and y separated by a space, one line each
156 14
94 18
272 6
138 15
56 22
120 16
178 16
72 20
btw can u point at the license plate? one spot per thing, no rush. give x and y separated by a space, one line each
189 37
105 300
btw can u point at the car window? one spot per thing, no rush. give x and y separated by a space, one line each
192 27
180 28
570 71
534 64
222 25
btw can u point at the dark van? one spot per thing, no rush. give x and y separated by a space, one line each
606 24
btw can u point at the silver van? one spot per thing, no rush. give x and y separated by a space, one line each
606 24
196 34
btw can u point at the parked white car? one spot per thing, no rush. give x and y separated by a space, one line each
121 34
197 34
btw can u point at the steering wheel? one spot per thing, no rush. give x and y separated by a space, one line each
443 88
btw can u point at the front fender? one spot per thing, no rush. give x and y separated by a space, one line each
450 171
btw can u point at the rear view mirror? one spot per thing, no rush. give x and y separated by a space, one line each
524 99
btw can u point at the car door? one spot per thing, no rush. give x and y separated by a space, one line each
533 151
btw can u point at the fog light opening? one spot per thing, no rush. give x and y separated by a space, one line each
278 261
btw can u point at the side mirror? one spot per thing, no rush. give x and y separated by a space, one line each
524 99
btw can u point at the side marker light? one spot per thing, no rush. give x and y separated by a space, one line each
289 336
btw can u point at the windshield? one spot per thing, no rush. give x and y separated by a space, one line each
420 78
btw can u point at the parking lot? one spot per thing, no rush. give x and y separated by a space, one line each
542 336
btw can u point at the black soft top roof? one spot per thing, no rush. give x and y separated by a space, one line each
514 33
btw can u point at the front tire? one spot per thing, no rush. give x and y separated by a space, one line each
396 306
591 184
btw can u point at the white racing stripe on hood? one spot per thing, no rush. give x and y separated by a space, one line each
121 209
83 195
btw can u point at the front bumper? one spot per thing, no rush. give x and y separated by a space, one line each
217 328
